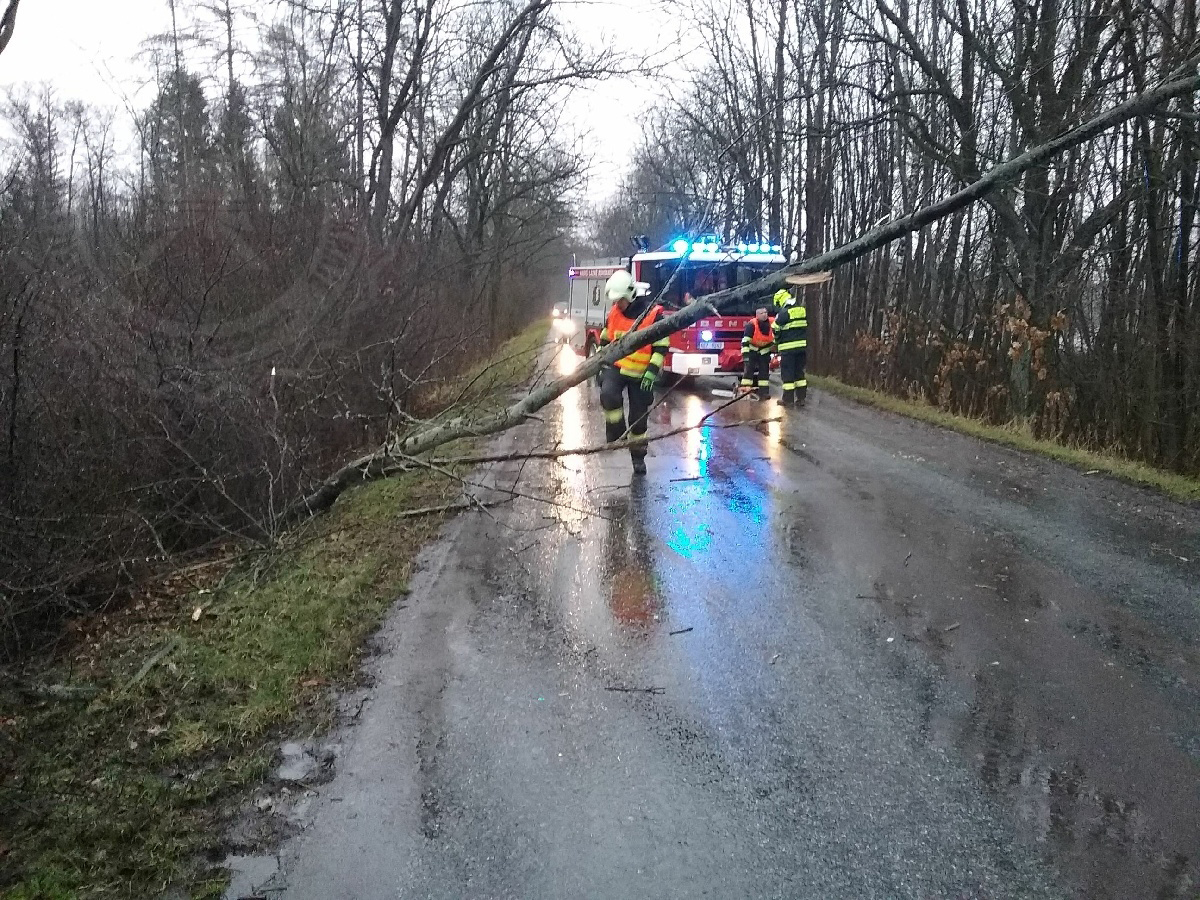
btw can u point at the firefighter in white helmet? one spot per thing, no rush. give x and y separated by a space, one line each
633 375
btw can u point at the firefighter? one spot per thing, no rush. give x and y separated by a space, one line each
791 340
757 343
634 374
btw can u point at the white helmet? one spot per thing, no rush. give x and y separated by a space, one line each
620 286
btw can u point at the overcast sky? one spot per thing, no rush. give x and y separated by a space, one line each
86 50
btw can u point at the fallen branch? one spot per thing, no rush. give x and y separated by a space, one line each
511 492
629 690
448 507
589 451
8 24
1183 80
150 664
57 691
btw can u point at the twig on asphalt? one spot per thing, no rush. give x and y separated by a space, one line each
703 422
638 690
433 465
603 448
871 597
950 628
683 630
907 558
693 478
448 507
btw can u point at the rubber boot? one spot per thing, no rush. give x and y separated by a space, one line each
639 464
801 395
789 397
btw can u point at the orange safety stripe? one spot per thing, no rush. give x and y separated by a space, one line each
618 325
762 338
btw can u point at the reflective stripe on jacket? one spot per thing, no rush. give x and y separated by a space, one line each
791 328
648 357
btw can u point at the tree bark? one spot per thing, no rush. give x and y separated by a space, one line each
8 23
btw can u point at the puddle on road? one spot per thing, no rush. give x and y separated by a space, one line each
1084 730
628 564
703 483
1083 719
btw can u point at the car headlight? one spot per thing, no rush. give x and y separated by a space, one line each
564 326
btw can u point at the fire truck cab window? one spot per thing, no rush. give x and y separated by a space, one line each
698 279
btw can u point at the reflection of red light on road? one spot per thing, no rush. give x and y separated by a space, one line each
633 599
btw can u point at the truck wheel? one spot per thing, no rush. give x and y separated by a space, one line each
589 352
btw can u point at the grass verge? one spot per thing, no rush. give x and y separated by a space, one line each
121 758
1179 487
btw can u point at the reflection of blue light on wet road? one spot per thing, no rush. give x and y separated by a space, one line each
749 504
690 542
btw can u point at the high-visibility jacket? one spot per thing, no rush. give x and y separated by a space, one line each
649 357
791 328
757 340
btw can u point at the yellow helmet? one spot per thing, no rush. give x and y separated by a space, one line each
782 297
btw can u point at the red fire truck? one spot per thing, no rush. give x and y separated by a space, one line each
674 276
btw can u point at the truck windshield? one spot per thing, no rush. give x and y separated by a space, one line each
695 279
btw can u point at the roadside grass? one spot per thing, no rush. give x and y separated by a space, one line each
486 386
155 720
1179 487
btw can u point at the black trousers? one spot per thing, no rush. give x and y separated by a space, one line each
756 371
613 386
791 373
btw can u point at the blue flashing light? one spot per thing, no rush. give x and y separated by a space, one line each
754 248
697 247
742 248
775 248
680 246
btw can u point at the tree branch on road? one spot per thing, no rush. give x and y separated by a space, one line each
8 24
374 465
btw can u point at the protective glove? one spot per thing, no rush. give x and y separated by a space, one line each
648 380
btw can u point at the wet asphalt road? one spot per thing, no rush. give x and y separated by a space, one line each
909 665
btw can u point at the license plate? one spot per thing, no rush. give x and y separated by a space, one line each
709 345
693 371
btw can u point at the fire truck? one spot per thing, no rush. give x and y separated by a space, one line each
684 270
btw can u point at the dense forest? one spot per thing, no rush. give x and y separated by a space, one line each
1066 302
327 210
323 211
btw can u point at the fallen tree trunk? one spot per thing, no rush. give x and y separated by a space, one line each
377 464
